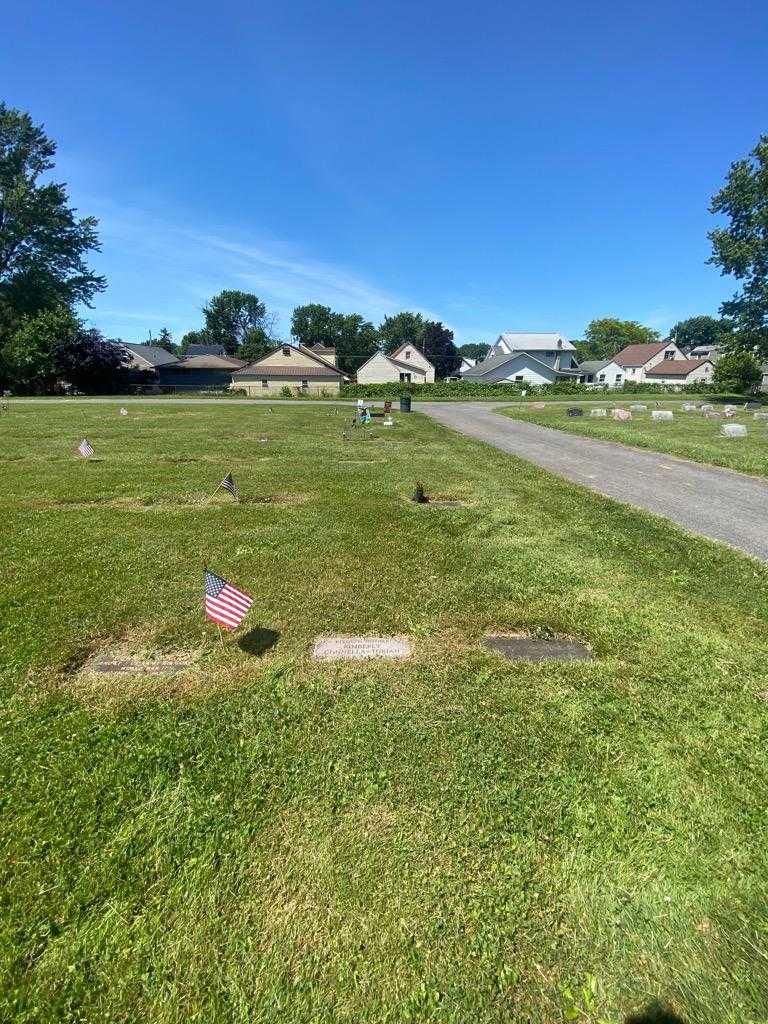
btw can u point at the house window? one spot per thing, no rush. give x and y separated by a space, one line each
669 354
286 350
618 378
590 378
265 383
601 379
407 353
520 377
405 378
304 385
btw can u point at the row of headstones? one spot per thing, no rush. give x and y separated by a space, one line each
709 412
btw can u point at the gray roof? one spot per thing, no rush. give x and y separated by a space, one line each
206 350
153 354
593 365
209 362
487 366
522 341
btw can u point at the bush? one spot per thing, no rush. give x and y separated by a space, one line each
473 390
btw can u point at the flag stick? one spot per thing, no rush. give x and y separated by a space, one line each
212 496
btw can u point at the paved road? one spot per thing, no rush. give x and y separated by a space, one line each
717 503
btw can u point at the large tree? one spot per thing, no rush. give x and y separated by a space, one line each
605 337
43 244
400 329
741 247
700 330
354 338
474 350
235 319
437 345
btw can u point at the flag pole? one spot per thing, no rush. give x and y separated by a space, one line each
212 496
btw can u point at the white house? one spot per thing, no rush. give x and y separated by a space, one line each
681 371
466 364
601 373
637 360
406 365
519 357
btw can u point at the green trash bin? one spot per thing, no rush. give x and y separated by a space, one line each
405 403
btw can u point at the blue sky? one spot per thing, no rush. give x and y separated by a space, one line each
499 166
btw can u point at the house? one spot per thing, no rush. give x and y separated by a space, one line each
198 372
712 352
637 360
526 358
601 372
406 365
303 369
466 364
764 382
681 371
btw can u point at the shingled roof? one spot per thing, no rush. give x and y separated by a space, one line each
638 355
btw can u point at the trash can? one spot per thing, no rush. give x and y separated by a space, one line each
405 403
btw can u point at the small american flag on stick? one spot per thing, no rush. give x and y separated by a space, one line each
225 604
229 485
85 448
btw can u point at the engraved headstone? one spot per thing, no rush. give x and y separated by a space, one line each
662 414
575 412
760 415
118 664
688 407
638 408
598 412
523 648
360 648
621 414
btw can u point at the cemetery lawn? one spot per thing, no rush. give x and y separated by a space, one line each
453 838
688 436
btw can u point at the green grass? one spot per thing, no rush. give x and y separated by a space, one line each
689 435
452 839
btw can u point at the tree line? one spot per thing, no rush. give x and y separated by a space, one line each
45 278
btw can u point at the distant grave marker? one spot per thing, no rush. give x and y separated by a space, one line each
598 412
621 415
575 412
638 408
664 415
524 648
688 407
360 648
733 430
760 415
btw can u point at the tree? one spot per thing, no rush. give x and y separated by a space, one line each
741 248
354 338
400 329
163 340
437 345
235 318
29 356
314 324
737 371
43 245
604 338
257 345
700 330
474 350
90 363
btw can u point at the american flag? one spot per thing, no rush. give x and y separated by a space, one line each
85 448
229 485
225 604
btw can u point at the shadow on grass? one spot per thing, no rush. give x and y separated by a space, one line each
654 1013
258 641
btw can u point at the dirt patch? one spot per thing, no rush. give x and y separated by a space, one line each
165 504
519 647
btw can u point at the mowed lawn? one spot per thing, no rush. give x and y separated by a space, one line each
689 435
454 838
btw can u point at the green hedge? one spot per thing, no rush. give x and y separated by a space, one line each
467 389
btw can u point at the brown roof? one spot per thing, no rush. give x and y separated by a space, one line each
267 372
638 355
209 362
675 367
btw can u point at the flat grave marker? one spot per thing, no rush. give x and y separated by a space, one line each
598 412
664 415
109 663
733 430
525 648
360 648
638 408
575 412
